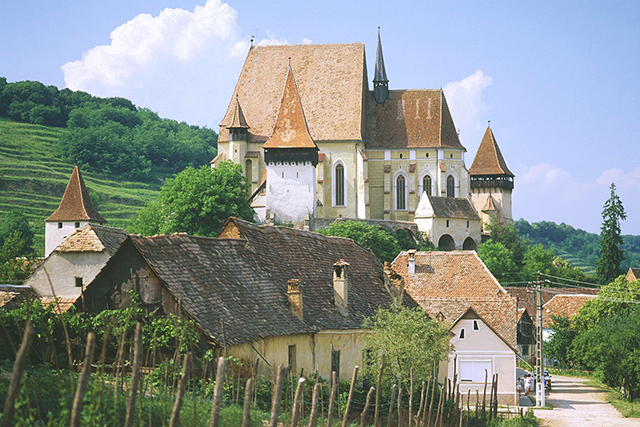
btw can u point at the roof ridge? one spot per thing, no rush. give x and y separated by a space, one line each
489 159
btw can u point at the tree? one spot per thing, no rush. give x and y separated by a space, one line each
559 345
381 242
14 221
14 267
616 297
537 259
198 202
409 339
508 236
498 259
608 266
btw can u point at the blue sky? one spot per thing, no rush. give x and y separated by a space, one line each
557 79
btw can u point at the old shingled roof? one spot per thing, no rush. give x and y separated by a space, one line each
450 207
526 296
93 238
11 296
240 279
452 282
76 204
291 127
489 160
563 306
237 120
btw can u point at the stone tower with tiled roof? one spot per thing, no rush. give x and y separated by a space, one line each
491 182
291 156
75 211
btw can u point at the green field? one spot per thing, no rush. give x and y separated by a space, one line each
33 179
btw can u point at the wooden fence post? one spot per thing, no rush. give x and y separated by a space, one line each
377 408
246 410
297 402
135 375
16 375
332 397
399 409
217 392
363 415
350 398
313 416
419 414
83 381
276 399
177 405
410 397
484 396
393 397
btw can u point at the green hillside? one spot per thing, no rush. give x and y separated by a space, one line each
33 179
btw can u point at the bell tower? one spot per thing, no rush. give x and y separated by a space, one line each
380 80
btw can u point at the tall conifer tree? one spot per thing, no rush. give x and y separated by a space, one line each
608 266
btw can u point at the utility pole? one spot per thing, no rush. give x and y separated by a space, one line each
539 375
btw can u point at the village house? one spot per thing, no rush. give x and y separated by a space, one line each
267 295
457 287
561 306
315 142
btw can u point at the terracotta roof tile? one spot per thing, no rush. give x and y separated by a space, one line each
633 274
563 306
13 295
76 204
489 160
291 127
526 297
449 207
451 282
93 238
60 304
237 120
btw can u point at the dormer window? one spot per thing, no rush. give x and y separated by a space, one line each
461 336
475 325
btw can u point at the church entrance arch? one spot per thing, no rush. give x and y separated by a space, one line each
469 244
446 243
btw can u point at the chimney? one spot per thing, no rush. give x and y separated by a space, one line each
411 266
294 293
341 286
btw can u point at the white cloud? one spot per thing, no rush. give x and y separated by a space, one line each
621 179
465 102
544 174
272 40
306 41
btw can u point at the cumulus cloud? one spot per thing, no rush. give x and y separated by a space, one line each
621 179
306 41
544 174
272 40
465 102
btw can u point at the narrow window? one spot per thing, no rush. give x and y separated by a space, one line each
248 171
401 197
283 174
79 282
59 225
451 156
448 223
335 361
462 333
475 325
427 155
77 225
292 359
426 184
451 186
400 155
467 224
339 185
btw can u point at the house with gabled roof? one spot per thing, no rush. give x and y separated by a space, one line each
457 287
561 306
265 294
375 152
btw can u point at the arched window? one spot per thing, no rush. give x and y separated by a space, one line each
248 171
401 193
451 186
426 184
338 181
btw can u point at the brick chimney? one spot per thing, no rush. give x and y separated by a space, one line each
341 286
294 293
411 265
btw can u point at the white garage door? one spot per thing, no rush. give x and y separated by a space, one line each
473 370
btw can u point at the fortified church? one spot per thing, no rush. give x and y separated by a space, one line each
316 144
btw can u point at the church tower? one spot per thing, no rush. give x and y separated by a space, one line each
291 156
75 211
380 80
491 182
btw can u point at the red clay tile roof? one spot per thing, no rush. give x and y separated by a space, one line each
633 274
526 296
489 160
12 296
60 304
470 313
237 120
76 204
93 238
450 207
411 118
563 306
451 282
291 127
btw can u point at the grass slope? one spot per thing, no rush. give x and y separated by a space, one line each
33 179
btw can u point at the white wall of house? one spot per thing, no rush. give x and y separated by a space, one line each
56 232
291 191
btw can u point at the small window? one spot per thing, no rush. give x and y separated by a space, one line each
451 186
77 225
339 185
79 282
283 174
335 361
248 170
426 184
461 334
451 156
292 359
400 155
427 155
475 325
467 224
448 223
59 225
401 196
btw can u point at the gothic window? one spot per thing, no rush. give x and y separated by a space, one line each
248 171
338 181
451 186
426 184
401 193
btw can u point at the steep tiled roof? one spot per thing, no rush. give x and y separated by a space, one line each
489 160
60 304
450 207
411 118
76 204
14 295
526 297
93 238
562 306
237 120
470 313
633 274
242 280
291 127
451 282
331 82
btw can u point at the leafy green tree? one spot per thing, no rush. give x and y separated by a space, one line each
508 236
409 339
198 202
381 242
17 221
608 266
13 266
537 259
559 345
498 259
616 297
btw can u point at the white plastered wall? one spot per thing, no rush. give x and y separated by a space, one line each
54 235
291 191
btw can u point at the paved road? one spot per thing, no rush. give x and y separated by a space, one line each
578 405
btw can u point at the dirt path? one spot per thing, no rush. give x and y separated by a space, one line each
578 405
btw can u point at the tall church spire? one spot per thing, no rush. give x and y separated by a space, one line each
380 81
